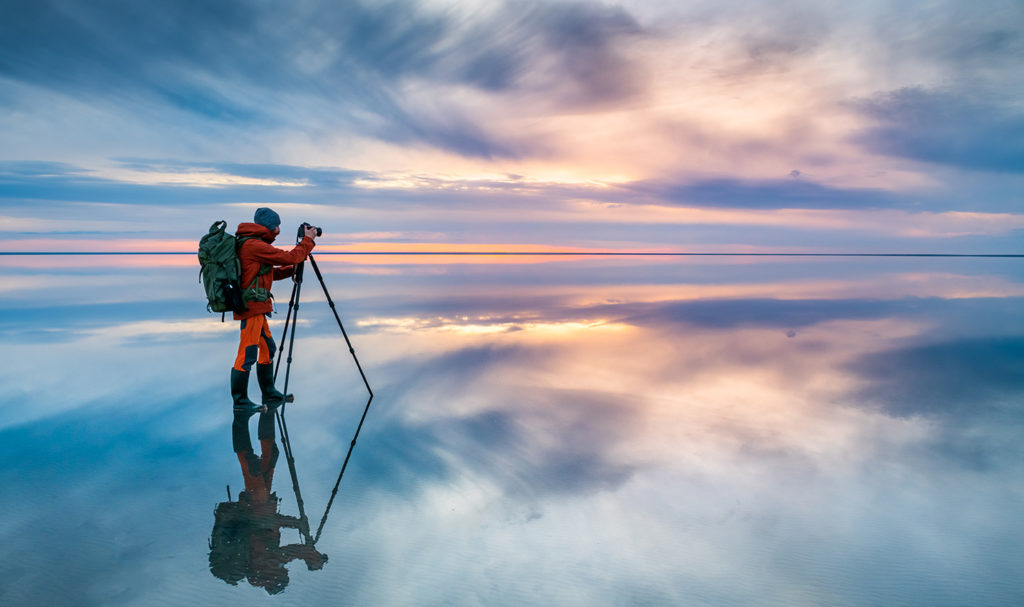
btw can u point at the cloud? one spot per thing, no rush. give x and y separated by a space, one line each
314 176
580 41
146 181
53 181
158 200
971 46
979 48
447 131
788 193
317 64
965 130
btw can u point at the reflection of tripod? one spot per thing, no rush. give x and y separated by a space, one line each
246 541
292 319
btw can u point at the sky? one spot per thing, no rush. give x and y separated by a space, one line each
741 126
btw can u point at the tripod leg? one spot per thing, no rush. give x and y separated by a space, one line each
344 333
295 321
290 459
366 409
287 319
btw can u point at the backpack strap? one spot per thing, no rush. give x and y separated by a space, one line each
264 268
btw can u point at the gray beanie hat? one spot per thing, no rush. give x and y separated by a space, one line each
267 218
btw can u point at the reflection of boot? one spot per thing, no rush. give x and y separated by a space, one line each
240 392
240 441
270 454
252 475
268 460
252 463
271 396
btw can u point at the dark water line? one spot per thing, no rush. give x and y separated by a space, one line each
550 253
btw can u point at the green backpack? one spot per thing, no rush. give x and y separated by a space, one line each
220 271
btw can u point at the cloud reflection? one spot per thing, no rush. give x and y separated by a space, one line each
664 429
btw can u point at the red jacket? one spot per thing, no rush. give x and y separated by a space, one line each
257 252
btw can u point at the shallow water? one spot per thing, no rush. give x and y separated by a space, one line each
544 431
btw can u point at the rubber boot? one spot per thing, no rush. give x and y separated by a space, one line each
271 396
240 393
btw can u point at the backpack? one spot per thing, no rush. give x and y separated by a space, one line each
220 271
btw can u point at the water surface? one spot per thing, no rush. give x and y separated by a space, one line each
544 431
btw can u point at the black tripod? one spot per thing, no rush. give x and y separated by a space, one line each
290 320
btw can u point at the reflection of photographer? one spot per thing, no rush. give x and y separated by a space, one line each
246 539
262 264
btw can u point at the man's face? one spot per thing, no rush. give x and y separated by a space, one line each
276 231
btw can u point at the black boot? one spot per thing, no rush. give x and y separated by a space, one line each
240 393
271 396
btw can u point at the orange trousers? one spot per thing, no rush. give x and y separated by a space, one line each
255 344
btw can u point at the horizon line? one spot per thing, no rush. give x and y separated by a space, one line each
551 253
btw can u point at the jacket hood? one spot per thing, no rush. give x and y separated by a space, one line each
255 229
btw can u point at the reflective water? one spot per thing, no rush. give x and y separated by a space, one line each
544 431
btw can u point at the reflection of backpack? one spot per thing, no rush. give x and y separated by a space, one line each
221 270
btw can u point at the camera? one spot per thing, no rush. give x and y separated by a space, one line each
302 230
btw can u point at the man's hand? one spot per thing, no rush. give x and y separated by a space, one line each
311 233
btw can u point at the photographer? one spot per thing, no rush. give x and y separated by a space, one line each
262 264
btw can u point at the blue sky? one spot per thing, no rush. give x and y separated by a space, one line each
736 126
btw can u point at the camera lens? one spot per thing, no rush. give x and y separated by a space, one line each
304 226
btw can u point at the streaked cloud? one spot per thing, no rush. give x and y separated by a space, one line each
246 65
524 122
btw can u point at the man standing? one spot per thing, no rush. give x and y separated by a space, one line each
262 264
